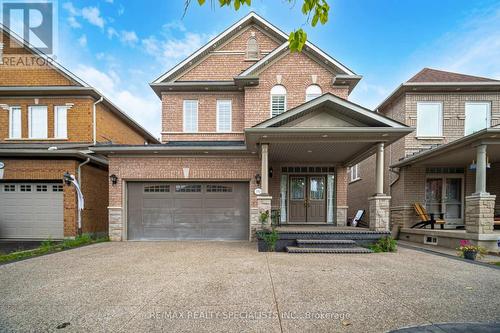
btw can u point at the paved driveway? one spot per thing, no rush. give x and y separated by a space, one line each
224 286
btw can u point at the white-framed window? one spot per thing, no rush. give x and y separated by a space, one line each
429 119
252 49
278 100
37 122
15 122
354 171
312 92
224 115
61 122
477 116
190 116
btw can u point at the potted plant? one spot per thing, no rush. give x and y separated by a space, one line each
267 237
469 251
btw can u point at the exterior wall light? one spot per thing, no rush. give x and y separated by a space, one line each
114 179
271 172
258 178
67 178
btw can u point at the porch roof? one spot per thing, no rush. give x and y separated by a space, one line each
460 152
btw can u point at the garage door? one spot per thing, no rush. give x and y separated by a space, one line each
31 210
195 211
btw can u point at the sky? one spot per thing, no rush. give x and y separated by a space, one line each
120 46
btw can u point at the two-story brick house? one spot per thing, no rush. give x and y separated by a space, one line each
48 119
247 127
440 165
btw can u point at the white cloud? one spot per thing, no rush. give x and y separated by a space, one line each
82 40
128 37
121 10
73 22
93 16
112 33
145 107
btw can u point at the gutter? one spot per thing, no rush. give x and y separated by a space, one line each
94 121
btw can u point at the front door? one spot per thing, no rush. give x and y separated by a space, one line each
444 195
307 199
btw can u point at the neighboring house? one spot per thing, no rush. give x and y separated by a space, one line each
48 119
248 127
438 165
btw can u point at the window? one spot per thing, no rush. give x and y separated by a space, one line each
224 109
219 188
278 100
156 188
25 188
15 122
9 188
429 119
477 116
312 92
61 122
355 172
41 188
188 188
252 49
57 188
37 122
190 116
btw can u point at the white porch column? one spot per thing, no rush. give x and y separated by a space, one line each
481 170
265 168
379 169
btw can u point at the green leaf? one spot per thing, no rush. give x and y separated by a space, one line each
201 2
236 4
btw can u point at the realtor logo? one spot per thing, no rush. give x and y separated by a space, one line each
34 21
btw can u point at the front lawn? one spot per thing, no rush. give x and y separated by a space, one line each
49 246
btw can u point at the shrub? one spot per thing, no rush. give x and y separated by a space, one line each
385 244
270 238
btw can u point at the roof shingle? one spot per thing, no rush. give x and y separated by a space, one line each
434 75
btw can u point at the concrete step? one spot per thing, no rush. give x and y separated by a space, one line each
326 243
295 249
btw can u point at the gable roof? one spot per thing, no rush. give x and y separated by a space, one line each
433 80
250 18
352 110
434 75
80 87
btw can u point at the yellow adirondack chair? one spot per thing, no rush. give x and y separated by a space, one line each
426 219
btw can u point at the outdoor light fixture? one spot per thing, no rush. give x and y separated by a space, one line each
114 179
271 172
67 178
258 178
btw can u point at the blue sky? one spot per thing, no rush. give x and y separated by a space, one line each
120 46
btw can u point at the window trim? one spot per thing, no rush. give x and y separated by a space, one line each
230 115
271 99
184 115
247 51
351 173
11 127
30 117
56 108
440 121
465 114
311 86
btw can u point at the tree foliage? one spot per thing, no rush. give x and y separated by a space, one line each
314 10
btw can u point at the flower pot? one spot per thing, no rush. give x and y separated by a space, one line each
470 255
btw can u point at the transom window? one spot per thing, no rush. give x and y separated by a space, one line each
190 116
224 115
354 171
477 116
312 92
252 49
61 122
156 188
41 188
188 188
15 122
37 122
429 119
25 188
278 100
219 188
57 188
9 188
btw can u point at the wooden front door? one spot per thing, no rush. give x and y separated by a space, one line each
307 199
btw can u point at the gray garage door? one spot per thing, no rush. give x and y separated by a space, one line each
168 210
31 210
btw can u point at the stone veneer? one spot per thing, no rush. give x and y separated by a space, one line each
479 213
379 212
341 216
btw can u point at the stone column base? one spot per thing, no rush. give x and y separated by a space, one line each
403 216
479 213
115 224
379 212
341 216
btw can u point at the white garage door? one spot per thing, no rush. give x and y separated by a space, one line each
31 210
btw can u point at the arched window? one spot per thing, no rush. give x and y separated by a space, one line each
278 100
312 92
252 49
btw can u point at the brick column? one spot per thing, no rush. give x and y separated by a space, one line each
479 213
379 212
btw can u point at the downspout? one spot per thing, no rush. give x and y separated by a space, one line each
80 184
94 121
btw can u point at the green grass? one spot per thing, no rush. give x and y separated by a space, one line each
385 244
496 263
49 246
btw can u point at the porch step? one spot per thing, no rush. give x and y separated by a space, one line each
326 243
295 249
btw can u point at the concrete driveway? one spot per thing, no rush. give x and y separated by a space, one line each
225 286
